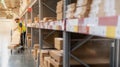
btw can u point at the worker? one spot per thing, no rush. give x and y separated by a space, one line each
22 29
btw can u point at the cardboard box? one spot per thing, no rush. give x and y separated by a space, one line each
47 62
34 53
28 36
101 12
54 63
83 2
117 7
57 55
13 46
43 53
70 15
36 46
29 43
59 16
97 9
60 2
59 8
71 7
58 43
48 19
82 12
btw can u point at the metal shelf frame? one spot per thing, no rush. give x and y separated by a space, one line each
114 49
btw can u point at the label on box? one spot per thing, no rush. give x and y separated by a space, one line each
98 30
51 24
118 21
46 25
80 2
61 24
95 9
92 21
72 24
41 26
111 31
109 5
84 29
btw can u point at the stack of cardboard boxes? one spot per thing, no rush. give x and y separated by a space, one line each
35 51
59 10
83 8
103 8
28 40
56 56
96 9
71 10
52 57
43 54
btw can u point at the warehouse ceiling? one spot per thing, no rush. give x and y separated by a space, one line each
8 7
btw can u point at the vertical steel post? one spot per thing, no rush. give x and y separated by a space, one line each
40 9
112 54
66 48
117 43
40 32
32 29
31 37
41 38
66 38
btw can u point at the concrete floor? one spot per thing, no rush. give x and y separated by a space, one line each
15 60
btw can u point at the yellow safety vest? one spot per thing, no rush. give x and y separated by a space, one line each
21 26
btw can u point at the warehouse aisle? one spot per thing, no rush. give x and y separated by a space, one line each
15 60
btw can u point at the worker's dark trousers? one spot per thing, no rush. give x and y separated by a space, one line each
22 39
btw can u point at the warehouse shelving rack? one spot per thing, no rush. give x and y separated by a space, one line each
96 27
